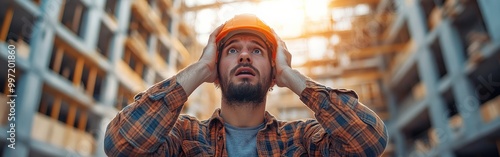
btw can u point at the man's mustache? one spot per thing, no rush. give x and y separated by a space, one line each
244 65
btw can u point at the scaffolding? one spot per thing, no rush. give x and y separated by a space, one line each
428 68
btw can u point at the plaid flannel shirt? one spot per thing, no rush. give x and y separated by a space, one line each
153 126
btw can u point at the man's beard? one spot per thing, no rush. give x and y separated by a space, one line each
244 92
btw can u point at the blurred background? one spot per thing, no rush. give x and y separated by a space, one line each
429 68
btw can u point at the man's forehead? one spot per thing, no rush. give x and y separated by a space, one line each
246 36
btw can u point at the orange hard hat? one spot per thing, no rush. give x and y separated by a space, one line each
247 23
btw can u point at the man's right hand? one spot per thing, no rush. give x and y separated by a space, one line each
209 56
205 70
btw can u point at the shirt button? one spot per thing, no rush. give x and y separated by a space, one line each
220 137
138 96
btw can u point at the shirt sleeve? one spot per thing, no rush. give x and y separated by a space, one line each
144 128
349 127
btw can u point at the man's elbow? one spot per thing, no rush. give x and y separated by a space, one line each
371 142
110 146
377 146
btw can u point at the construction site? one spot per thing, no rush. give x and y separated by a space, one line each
430 69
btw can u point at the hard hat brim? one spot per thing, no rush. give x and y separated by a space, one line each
266 35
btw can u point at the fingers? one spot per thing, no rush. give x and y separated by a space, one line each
210 48
214 34
282 47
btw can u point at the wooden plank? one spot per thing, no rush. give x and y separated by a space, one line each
129 77
61 10
76 18
9 13
344 3
216 4
43 107
4 109
165 4
6 23
82 123
56 108
77 79
119 102
58 60
419 91
376 50
57 133
139 67
126 56
137 46
91 81
350 77
70 121
6 87
41 128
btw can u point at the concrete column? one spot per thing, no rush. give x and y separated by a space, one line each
27 99
465 98
416 22
110 85
116 49
490 11
437 108
400 143
92 25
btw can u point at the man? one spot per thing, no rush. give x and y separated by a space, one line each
245 58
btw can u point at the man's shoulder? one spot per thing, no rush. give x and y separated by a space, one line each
298 123
301 126
191 119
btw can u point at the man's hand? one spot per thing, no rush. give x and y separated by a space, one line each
205 70
285 76
283 61
209 56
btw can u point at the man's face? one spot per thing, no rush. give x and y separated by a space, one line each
244 69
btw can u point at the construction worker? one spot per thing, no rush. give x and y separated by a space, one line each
245 58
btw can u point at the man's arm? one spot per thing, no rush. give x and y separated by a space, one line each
150 125
140 129
352 128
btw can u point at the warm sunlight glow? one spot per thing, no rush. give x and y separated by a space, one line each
287 17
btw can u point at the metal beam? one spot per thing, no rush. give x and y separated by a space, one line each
184 8
344 3
351 78
377 50
342 72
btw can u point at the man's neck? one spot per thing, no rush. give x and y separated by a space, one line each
243 115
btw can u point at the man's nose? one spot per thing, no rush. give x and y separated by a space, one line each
245 57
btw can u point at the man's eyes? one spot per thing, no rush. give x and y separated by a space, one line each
233 50
257 51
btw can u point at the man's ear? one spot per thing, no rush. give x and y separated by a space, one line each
273 70
273 75
217 83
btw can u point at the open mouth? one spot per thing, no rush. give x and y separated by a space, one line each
245 72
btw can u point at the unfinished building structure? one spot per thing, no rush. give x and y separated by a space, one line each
78 62
428 68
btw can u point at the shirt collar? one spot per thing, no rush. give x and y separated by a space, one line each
270 120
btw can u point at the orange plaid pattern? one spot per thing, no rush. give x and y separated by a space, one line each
153 126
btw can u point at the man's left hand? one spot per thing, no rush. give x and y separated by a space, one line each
285 76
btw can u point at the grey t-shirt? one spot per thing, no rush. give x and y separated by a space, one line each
242 141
